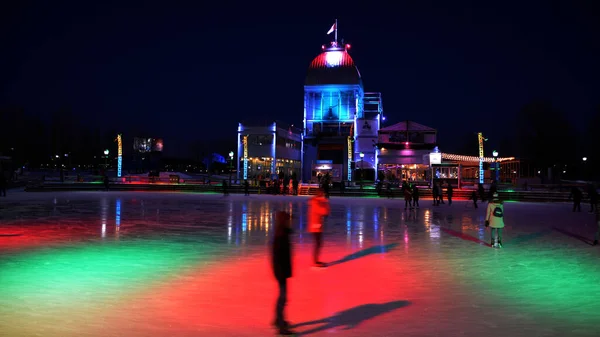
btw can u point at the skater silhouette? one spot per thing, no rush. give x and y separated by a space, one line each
365 252
352 317
282 267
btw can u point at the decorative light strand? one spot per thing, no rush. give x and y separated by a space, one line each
458 157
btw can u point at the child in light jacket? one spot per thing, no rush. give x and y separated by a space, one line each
494 218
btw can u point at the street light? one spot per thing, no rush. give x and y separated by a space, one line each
230 165
362 155
496 166
106 152
584 158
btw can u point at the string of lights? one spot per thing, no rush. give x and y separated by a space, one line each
458 157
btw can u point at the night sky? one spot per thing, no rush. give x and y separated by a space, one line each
191 73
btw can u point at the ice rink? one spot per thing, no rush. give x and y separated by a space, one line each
183 264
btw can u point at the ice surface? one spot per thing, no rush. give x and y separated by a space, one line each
184 264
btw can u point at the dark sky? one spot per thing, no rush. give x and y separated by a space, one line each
189 73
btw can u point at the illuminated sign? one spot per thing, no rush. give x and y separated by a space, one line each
245 142
324 161
120 155
435 158
349 159
323 167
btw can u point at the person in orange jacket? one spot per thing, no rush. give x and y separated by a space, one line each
318 209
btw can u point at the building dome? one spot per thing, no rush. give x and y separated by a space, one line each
333 66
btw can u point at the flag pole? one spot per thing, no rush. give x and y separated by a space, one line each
336 31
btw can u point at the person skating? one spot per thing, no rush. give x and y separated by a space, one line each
318 209
246 187
106 182
295 185
440 193
415 196
593 196
493 190
597 237
481 191
494 218
225 188
282 267
576 195
407 196
3 184
449 192
474 198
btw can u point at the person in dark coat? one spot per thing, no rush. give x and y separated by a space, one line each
493 190
576 195
434 193
282 267
593 196
481 191
597 237
106 182
415 196
295 185
449 192
407 196
474 198
225 187
246 187
3 184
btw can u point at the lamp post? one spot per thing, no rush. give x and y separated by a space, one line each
106 152
362 156
496 166
230 165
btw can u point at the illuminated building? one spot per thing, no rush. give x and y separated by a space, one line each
340 119
342 135
265 150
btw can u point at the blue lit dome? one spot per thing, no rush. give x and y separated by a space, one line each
333 66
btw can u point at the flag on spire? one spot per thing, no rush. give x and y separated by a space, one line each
332 29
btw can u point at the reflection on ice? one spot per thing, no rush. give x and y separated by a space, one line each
427 217
104 215
248 221
117 217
